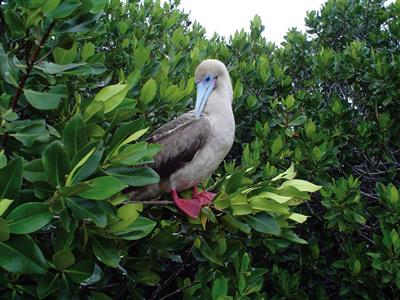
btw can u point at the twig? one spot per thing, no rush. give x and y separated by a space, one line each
369 195
29 68
179 290
168 281
152 202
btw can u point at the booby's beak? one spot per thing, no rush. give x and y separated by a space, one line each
204 89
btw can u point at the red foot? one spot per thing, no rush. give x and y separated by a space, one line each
205 198
191 207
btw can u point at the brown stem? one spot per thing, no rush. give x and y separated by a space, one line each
176 273
30 64
152 202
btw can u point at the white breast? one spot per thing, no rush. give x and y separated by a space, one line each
209 157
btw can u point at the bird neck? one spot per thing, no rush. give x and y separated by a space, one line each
220 100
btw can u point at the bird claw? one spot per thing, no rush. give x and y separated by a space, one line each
192 207
204 198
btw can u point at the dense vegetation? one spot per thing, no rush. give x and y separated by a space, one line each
83 83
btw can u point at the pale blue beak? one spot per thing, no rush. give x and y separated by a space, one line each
204 89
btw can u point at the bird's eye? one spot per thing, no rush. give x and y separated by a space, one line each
208 78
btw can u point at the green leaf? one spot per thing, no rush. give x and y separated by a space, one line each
135 176
141 55
238 89
299 218
98 6
11 179
88 50
3 159
86 209
49 6
46 100
111 96
219 288
4 204
4 230
28 217
49 283
301 185
74 135
63 10
102 188
240 205
251 101
33 17
34 171
105 251
63 259
81 271
20 254
277 145
264 223
235 223
298 121
78 165
56 163
128 213
140 228
207 252
32 133
87 165
148 91
64 56
136 154
288 174
133 137
234 182
75 189
265 204
7 70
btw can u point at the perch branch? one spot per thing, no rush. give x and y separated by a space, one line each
151 202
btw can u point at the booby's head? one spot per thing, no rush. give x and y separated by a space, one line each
208 75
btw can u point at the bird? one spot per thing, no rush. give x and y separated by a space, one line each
194 144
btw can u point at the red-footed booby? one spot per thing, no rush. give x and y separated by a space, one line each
194 144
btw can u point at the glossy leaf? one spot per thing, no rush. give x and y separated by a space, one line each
102 188
106 251
264 223
28 217
11 179
56 163
21 254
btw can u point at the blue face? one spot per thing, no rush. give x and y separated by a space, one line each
204 89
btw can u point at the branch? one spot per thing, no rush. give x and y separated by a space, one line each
152 202
176 273
30 66
21 84
179 290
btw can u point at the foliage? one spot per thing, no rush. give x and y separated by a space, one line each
83 82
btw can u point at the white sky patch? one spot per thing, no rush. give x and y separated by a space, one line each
227 16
